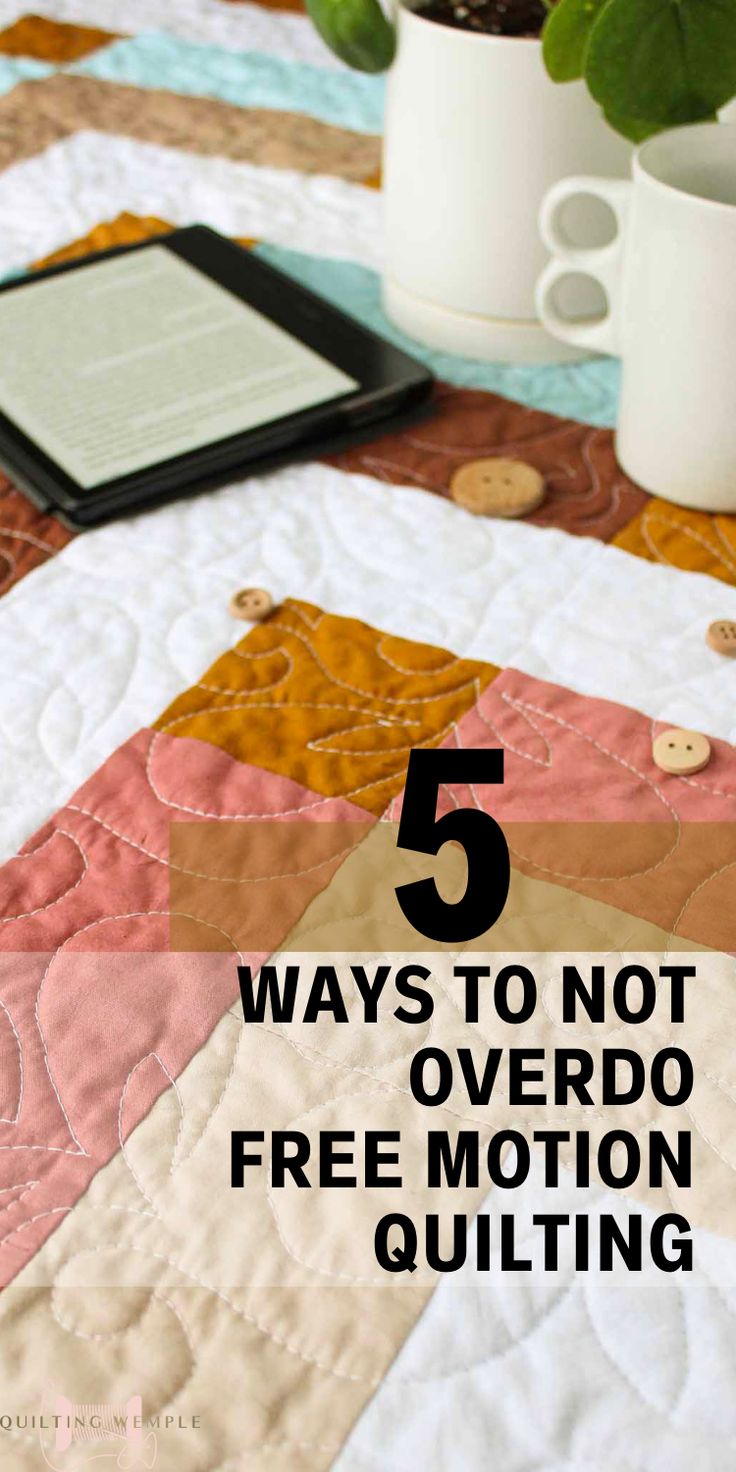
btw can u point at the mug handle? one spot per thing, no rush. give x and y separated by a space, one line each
602 263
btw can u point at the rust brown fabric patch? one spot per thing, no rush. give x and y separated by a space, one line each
28 537
587 492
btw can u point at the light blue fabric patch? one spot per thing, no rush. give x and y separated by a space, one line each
15 69
585 391
247 79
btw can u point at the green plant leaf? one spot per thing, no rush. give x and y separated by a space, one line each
637 130
357 31
565 37
659 63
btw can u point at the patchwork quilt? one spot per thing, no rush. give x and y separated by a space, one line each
136 718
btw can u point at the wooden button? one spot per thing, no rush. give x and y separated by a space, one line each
251 604
497 487
722 637
681 752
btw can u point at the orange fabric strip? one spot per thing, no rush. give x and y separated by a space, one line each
52 40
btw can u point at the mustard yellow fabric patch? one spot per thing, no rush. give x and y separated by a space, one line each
124 230
691 540
52 40
329 701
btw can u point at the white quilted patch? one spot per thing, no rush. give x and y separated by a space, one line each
572 1375
62 193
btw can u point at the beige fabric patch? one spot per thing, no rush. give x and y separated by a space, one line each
277 1373
35 114
164 1276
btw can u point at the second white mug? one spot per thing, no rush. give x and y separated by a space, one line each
669 277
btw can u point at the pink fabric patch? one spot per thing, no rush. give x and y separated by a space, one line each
572 758
95 1017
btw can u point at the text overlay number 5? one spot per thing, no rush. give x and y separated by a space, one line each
486 849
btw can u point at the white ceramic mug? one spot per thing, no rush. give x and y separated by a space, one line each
475 133
669 276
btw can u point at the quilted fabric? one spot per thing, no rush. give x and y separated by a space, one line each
586 491
568 1375
242 27
266 81
683 538
27 537
125 229
67 104
329 701
558 607
584 804
95 881
321 214
144 738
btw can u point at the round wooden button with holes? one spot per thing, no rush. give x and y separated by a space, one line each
722 637
251 604
681 753
498 487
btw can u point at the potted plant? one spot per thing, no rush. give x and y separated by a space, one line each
476 132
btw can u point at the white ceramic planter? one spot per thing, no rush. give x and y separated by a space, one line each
476 134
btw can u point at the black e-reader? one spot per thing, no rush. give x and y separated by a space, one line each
156 370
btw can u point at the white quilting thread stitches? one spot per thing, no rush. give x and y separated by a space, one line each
278 1339
246 656
421 671
40 909
121 1110
239 817
104 920
622 762
23 1187
504 740
29 538
502 594
21 1073
323 743
652 518
29 1222
343 684
199 874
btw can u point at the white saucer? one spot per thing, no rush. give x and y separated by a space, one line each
493 339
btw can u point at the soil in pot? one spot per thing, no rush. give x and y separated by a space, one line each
493 17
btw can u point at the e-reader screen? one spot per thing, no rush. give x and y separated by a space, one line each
141 357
